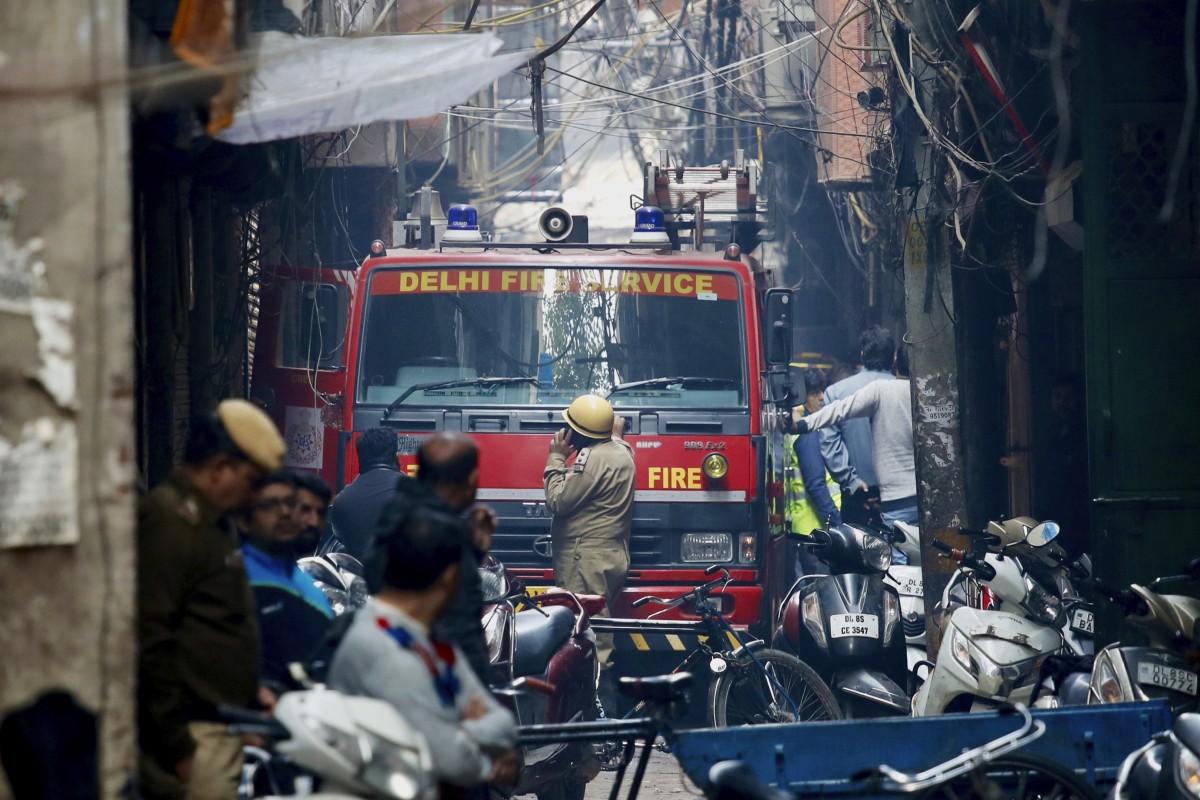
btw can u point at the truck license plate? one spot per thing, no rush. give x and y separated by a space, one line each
1180 680
841 625
1084 621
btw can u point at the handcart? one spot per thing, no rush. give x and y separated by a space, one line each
1084 745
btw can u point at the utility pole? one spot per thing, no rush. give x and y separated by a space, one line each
932 335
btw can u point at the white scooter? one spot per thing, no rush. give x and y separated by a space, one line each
910 585
992 657
1165 668
355 746
1053 569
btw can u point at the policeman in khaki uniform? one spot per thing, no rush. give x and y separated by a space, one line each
592 503
198 642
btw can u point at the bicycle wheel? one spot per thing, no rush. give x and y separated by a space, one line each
744 695
1016 776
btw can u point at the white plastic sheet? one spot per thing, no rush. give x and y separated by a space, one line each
317 85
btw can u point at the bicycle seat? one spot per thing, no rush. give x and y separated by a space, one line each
538 638
658 688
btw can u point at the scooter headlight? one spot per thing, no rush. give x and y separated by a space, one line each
1187 768
402 770
493 583
493 632
1045 607
891 615
1104 681
960 648
876 553
810 610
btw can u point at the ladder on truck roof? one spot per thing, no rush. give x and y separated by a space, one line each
720 203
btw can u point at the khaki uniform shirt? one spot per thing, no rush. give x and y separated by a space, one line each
198 641
593 498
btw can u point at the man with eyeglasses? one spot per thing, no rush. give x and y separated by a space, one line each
293 613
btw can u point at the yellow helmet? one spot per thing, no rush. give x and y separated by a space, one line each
591 416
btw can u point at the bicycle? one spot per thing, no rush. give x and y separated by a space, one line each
751 683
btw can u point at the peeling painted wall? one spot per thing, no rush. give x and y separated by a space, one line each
66 380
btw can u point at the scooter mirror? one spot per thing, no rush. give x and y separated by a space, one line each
1043 533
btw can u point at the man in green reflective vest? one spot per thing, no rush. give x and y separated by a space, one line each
813 496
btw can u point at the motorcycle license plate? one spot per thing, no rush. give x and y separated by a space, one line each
1083 621
1180 680
841 625
912 587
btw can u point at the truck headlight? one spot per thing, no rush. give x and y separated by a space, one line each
707 548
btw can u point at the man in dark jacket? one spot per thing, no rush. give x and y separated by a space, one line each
198 642
356 509
447 480
313 497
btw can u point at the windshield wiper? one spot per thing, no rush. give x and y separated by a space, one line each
651 382
481 381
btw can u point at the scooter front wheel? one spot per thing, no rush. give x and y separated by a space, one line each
769 686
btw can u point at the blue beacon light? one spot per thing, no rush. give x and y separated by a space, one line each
649 226
462 224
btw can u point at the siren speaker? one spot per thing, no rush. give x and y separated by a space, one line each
555 224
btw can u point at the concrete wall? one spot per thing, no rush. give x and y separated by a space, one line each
66 620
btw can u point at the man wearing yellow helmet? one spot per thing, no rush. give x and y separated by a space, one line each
592 503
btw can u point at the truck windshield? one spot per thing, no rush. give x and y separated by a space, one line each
576 330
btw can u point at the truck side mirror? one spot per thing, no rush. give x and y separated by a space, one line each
777 327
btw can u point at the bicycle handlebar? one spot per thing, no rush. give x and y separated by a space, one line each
695 594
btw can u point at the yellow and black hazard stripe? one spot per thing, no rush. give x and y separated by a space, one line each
654 642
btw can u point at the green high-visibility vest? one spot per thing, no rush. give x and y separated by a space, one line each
800 510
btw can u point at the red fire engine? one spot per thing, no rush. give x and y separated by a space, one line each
495 339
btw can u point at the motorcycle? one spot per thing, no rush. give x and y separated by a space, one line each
989 657
1166 768
1163 669
340 576
355 746
845 624
542 653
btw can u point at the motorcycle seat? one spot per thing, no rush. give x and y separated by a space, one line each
539 636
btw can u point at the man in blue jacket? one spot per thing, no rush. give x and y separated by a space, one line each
293 613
